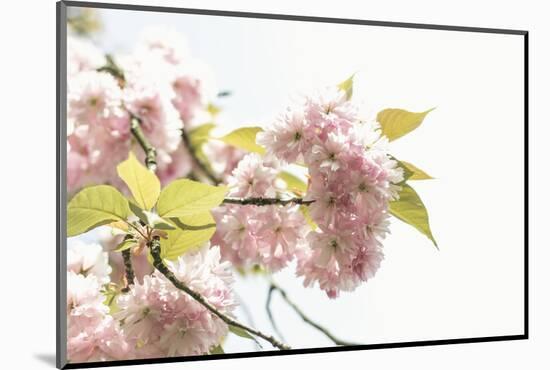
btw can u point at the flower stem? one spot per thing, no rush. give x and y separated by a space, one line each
259 201
154 247
274 287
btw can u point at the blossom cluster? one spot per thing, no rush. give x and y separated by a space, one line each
162 85
164 321
250 235
154 319
352 179
92 333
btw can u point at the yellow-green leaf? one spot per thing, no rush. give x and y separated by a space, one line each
125 244
347 86
244 138
214 110
200 135
95 206
410 209
240 332
293 183
185 197
398 122
217 350
143 184
417 173
191 232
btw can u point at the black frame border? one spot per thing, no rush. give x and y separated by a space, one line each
61 166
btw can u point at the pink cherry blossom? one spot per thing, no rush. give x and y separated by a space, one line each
237 234
287 138
92 334
282 229
252 178
88 259
168 321
82 55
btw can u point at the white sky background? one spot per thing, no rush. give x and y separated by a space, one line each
472 144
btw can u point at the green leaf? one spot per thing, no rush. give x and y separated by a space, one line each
95 206
242 333
347 86
151 218
143 184
214 110
407 173
200 135
218 350
293 183
244 138
398 122
125 244
140 213
416 173
191 232
185 197
410 209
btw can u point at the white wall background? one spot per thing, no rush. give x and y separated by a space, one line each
29 309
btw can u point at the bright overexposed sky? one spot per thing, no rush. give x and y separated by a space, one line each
472 145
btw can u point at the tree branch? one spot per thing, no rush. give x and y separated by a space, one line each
196 160
154 247
270 314
129 270
258 201
306 319
150 152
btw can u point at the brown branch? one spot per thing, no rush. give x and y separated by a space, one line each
258 201
129 270
203 168
150 151
305 318
154 247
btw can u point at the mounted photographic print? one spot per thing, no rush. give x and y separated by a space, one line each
237 184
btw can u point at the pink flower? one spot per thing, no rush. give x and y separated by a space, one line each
330 155
367 262
331 278
93 97
82 55
223 158
159 120
252 178
282 229
329 105
92 334
194 89
169 322
237 234
287 138
88 259
332 246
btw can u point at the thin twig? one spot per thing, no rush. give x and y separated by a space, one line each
270 314
306 319
154 247
197 161
258 201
